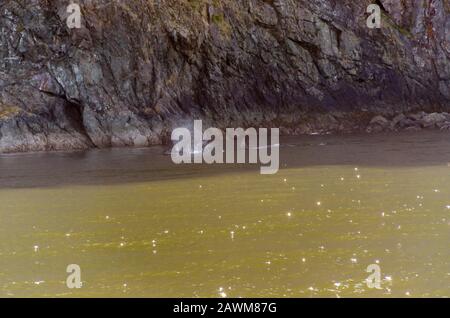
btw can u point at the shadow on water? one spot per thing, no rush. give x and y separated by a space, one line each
115 166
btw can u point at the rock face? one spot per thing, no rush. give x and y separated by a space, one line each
137 68
412 122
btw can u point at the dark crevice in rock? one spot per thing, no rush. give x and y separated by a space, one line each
73 111
378 2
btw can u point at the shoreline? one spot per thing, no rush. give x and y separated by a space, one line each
313 124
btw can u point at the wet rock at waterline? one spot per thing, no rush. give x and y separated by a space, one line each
412 122
136 69
377 124
434 119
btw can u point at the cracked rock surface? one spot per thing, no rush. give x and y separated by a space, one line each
138 68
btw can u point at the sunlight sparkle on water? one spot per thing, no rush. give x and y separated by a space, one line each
222 293
312 228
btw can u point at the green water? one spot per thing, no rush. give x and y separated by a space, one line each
139 226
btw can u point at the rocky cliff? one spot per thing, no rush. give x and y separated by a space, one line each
137 68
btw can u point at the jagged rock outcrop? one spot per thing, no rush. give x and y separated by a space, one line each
138 68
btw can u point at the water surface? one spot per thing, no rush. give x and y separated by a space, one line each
140 226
